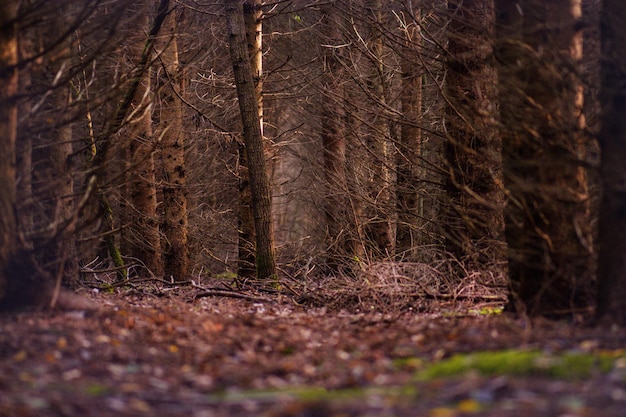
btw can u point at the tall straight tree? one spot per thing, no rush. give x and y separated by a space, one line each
410 202
611 300
474 226
547 225
253 19
8 133
143 235
170 117
334 141
253 138
384 173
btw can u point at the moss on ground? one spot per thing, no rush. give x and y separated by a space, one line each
568 365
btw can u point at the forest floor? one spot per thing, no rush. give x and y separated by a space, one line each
160 350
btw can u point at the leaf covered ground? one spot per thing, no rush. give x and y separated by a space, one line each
174 353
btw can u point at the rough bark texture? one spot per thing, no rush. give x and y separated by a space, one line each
334 147
143 233
384 177
611 302
253 138
474 227
8 132
175 222
246 239
547 223
410 201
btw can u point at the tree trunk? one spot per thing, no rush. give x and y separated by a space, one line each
384 178
8 133
410 201
547 225
253 139
176 257
143 233
611 300
334 146
246 239
474 226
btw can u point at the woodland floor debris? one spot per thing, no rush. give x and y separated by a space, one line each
173 355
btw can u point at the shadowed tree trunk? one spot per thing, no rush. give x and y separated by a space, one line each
175 250
547 224
474 226
410 202
8 133
253 139
611 300
384 178
334 145
143 232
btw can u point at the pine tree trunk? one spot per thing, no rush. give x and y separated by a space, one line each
176 256
410 201
8 132
547 225
384 178
334 147
253 139
246 231
611 300
143 237
474 225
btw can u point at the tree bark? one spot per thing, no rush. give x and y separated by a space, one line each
547 225
246 230
253 139
474 226
384 178
334 146
175 222
144 240
8 133
611 300
410 201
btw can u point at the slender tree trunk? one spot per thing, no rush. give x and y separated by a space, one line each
410 201
254 36
253 138
474 226
142 239
8 133
143 234
611 300
119 120
334 146
64 255
176 256
547 224
24 157
384 181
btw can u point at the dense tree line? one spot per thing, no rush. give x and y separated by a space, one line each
176 139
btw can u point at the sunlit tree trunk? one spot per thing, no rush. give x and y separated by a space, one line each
611 300
8 132
547 225
474 225
175 256
246 240
253 138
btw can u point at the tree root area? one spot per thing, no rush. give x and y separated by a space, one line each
221 356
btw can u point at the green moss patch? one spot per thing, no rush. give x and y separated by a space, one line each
569 365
